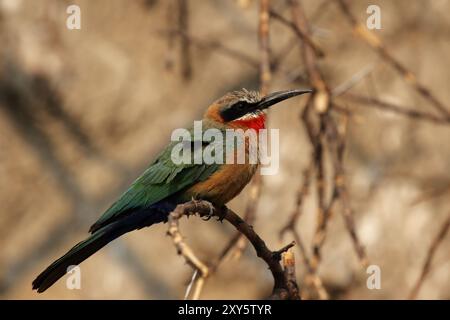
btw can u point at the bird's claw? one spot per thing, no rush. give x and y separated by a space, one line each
210 214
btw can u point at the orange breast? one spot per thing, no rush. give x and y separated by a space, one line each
224 184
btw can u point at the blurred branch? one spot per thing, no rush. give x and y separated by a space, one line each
300 34
183 26
320 10
431 252
201 271
264 46
387 106
375 42
279 58
350 83
341 188
312 277
321 128
169 60
433 193
301 195
213 45
265 76
316 106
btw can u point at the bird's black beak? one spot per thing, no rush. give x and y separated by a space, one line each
279 96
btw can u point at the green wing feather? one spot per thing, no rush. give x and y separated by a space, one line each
162 179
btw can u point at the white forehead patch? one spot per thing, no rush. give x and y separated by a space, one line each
247 95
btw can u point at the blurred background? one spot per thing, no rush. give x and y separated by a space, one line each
83 112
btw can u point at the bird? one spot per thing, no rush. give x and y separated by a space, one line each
165 184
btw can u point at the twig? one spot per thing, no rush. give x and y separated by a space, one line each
169 60
279 58
213 45
288 260
302 35
205 210
387 106
375 42
201 271
309 55
183 26
348 215
190 285
429 194
317 105
321 8
312 277
236 244
323 210
301 194
226 51
427 264
265 76
341 191
264 46
319 137
350 83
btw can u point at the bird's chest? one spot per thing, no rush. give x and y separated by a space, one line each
241 158
224 184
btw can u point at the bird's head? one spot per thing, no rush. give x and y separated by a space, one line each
246 108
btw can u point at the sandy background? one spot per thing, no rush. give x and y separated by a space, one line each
83 112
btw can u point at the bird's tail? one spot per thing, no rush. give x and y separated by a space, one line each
86 248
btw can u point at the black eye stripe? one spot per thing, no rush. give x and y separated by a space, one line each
240 105
234 111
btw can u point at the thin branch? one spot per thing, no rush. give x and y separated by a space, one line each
213 45
387 106
312 277
279 58
319 137
431 252
264 46
265 76
300 34
350 83
183 26
309 55
429 194
169 60
318 103
288 260
201 271
341 190
301 195
375 42
205 210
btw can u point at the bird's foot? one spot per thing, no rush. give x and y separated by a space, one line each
211 213
201 204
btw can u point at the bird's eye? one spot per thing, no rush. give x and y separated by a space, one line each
240 105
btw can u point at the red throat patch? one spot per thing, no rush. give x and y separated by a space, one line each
256 123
